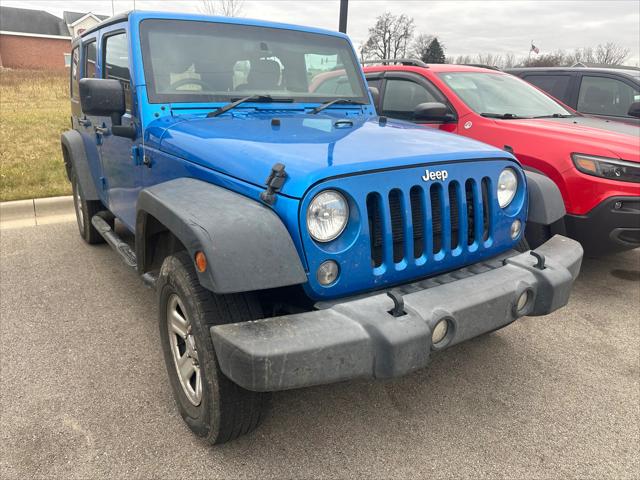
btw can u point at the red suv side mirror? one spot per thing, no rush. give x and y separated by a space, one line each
634 110
432 111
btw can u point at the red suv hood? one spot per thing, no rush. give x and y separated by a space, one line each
583 134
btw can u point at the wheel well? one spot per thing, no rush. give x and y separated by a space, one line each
159 243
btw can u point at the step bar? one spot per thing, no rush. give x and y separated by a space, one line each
128 256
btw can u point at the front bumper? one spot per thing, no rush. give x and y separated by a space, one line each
612 226
360 338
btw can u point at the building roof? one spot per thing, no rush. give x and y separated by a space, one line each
23 20
72 17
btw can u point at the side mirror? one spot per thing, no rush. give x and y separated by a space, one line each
105 97
634 110
102 97
432 111
375 93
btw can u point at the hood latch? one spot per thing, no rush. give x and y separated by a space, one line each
274 183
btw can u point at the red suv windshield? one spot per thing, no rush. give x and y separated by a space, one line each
496 94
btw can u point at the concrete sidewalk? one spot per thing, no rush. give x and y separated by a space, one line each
36 211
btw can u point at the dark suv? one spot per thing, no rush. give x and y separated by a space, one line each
611 93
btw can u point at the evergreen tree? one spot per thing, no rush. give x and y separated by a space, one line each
434 52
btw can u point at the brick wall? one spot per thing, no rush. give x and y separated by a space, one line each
33 52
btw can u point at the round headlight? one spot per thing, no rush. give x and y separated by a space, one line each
327 216
507 187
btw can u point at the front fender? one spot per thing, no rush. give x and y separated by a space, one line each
546 205
246 244
75 157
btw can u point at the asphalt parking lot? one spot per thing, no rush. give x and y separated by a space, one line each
84 393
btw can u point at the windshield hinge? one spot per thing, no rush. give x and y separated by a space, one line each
274 183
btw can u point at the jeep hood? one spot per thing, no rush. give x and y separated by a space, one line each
582 134
312 147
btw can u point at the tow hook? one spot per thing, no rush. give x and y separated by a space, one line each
398 304
540 260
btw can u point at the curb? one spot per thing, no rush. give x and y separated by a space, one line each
37 211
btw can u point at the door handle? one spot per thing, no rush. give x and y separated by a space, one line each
85 122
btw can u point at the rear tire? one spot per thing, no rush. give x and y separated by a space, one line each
213 406
85 210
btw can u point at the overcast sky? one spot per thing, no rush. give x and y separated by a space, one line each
465 27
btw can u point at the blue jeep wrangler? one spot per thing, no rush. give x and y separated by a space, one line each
294 237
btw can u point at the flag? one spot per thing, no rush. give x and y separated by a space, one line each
534 49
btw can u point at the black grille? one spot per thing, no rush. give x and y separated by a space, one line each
428 237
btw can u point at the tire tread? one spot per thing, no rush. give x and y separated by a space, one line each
240 410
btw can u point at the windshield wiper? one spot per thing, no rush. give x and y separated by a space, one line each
503 116
556 115
250 98
335 102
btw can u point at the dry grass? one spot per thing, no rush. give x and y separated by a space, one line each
34 111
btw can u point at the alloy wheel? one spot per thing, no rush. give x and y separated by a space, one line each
183 349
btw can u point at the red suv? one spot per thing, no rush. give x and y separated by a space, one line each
595 163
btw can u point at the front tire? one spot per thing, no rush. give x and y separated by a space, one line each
213 406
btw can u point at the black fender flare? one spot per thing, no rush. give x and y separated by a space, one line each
75 157
246 244
546 205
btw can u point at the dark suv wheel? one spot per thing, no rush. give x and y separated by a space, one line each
212 405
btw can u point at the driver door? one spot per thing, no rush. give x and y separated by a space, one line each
122 177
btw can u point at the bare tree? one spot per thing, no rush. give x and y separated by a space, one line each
584 55
231 8
389 37
208 7
463 59
611 53
510 61
420 45
227 8
554 59
489 59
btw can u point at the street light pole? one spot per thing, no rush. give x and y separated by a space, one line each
344 7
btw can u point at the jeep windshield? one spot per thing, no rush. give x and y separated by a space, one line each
194 61
501 96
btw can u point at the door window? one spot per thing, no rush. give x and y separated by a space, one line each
555 85
90 60
116 63
401 98
605 96
74 73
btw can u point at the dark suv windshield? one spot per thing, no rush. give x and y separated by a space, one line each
495 94
187 61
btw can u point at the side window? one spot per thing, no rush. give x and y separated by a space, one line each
90 56
75 74
555 85
605 96
401 98
116 63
